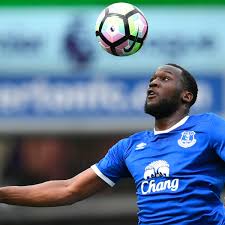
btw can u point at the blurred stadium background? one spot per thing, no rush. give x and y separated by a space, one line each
64 101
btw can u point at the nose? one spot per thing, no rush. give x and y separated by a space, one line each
154 83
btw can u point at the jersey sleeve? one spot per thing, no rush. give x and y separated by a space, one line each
217 134
112 167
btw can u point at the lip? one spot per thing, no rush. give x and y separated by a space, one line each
151 94
151 98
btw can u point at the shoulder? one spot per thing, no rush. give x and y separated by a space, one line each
133 138
140 136
125 145
208 118
210 123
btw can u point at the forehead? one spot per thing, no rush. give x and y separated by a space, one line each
170 69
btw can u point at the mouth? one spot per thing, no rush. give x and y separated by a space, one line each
151 94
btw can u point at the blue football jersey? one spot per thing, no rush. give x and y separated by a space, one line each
179 173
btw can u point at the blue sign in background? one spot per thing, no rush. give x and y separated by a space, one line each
80 97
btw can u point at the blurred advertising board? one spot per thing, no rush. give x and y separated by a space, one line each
62 41
76 104
54 76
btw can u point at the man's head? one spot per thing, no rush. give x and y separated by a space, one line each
171 89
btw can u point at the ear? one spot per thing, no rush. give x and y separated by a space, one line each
186 96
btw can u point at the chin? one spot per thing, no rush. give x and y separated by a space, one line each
160 110
151 109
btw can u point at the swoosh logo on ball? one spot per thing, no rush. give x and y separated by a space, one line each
131 47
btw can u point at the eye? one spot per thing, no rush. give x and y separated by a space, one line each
153 78
166 78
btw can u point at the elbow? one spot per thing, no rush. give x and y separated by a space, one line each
73 195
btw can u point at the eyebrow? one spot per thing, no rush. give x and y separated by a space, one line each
167 71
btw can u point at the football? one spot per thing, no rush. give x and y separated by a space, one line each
121 29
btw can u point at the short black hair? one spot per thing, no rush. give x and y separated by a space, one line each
189 82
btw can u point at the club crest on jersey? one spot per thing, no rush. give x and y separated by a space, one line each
187 139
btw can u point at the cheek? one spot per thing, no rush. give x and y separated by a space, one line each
169 91
172 94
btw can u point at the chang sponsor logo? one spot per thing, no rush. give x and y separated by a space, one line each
159 168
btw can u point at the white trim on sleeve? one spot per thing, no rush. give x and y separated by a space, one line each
102 176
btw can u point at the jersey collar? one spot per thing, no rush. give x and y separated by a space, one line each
181 122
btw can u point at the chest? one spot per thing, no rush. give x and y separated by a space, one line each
170 156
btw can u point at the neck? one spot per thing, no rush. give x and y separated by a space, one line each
167 122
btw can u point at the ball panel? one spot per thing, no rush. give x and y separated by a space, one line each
137 23
120 48
105 46
99 20
133 26
135 48
102 43
113 29
129 47
120 8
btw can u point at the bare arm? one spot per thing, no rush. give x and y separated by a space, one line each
54 193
